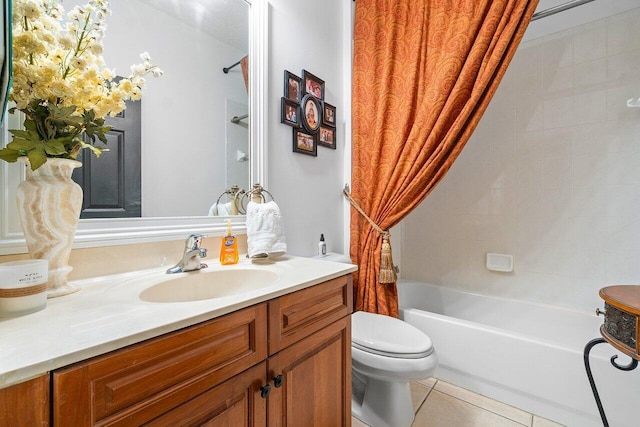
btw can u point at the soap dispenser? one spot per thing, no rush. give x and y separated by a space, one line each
229 248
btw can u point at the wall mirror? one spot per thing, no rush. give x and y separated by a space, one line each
202 130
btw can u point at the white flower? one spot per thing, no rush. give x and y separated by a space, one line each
56 11
108 74
79 63
76 13
96 48
136 94
72 29
138 70
138 81
58 60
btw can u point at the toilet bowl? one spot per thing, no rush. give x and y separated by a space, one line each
386 355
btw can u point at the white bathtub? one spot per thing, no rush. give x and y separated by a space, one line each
524 354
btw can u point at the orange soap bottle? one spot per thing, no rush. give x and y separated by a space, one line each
229 248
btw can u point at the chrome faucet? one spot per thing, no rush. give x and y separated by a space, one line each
193 254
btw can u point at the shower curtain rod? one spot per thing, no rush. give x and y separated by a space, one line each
226 69
559 8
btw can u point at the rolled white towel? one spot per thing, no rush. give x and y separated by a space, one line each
220 209
265 231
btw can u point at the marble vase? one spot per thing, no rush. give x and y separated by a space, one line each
49 205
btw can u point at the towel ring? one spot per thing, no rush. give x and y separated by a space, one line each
236 194
257 196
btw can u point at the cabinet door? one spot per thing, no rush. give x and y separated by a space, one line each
234 403
25 404
316 380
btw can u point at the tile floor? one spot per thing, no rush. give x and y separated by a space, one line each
440 404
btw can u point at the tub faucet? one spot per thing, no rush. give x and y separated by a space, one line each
193 254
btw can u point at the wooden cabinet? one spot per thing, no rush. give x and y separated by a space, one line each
285 362
316 383
25 404
310 348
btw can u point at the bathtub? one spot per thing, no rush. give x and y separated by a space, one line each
524 354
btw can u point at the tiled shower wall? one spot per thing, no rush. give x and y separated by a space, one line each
551 176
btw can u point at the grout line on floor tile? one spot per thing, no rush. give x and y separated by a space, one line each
424 400
487 403
484 409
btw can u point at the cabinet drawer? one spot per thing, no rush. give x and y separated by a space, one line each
109 387
295 316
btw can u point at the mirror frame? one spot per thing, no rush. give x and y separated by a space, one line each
125 231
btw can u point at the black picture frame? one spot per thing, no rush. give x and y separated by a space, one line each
312 85
305 143
293 89
310 111
289 112
327 137
329 114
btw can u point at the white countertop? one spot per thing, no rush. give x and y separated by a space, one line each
107 314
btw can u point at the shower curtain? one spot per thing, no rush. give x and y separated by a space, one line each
423 74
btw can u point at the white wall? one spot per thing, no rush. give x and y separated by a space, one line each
551 176
310 35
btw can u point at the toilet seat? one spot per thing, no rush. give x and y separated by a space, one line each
388 336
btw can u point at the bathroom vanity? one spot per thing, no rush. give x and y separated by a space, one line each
278 356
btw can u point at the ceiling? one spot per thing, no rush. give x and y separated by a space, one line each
225 20
228 20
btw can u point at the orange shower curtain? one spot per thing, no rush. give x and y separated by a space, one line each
244 65
423 75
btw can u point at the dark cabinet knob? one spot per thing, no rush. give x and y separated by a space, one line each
264 391
277 381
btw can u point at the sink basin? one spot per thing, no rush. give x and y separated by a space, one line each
207 284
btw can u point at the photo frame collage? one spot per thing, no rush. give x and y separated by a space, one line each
303 107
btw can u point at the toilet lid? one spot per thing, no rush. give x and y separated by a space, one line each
388 336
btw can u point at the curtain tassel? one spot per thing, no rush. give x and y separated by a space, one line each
387 269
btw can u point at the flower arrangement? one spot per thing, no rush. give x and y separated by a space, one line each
61 83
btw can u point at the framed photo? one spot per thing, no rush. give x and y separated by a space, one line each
289 112
329 115
305 143
312 85
327 137
292 86
310 111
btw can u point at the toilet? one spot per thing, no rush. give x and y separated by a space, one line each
386 355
